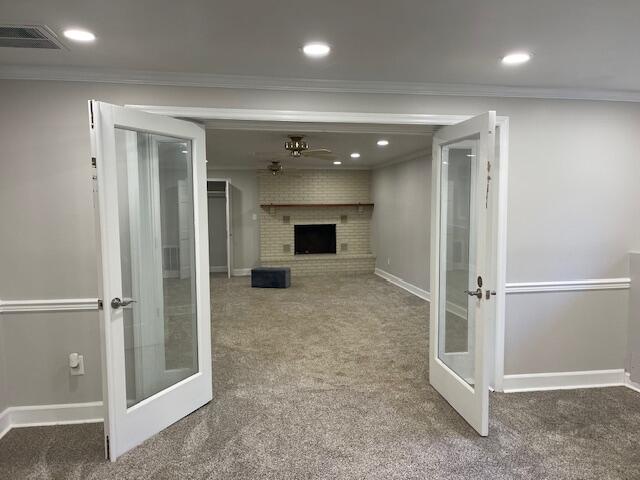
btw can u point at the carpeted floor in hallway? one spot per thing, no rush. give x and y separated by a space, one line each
328 380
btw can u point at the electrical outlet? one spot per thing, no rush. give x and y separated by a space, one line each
76 364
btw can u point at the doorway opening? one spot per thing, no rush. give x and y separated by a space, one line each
220 217
247 143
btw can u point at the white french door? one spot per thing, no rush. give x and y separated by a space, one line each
155 320
462 292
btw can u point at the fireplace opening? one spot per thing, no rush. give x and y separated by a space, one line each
310 239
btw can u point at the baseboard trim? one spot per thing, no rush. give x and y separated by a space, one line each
5 422
218 269
457 310
241 272
630 383
535 382
409 287
41 415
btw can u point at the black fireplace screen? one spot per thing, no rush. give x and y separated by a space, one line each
315 239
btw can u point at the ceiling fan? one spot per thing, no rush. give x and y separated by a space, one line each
295 147
275 167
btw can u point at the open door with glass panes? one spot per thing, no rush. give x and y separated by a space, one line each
461 257
154 282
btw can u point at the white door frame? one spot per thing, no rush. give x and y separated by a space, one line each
229 224
339 121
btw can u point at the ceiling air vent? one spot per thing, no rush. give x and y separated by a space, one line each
28 36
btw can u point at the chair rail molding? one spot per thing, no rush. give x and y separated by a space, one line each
49 305
623 283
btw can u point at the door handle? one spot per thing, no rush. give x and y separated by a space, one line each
118 303
476 293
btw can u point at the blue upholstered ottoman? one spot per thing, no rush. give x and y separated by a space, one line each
271 277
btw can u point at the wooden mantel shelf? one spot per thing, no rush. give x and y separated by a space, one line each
316 205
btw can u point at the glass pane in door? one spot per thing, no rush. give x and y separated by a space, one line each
157 258
457 263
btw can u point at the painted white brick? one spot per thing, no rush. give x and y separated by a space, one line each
316 187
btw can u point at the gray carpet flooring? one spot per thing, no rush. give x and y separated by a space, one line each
328 379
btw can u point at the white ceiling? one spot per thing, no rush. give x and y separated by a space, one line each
577 44
237 148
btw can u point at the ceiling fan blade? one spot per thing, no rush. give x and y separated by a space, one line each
321 157
317 151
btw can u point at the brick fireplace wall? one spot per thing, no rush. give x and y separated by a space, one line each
321 187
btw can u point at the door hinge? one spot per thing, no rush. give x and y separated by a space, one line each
94 162
91 115
100 304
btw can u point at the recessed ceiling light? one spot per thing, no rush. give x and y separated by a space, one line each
383 143
316 49
355 155
516 58
184 151
79 35
337 162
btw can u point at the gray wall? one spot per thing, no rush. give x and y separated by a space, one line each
4 385
633 345
572 190
217 231
566 331
400 225
37 347
244 205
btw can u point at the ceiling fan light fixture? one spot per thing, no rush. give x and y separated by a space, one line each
275 168
296 145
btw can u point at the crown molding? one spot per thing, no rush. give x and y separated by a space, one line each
250 116
138 77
